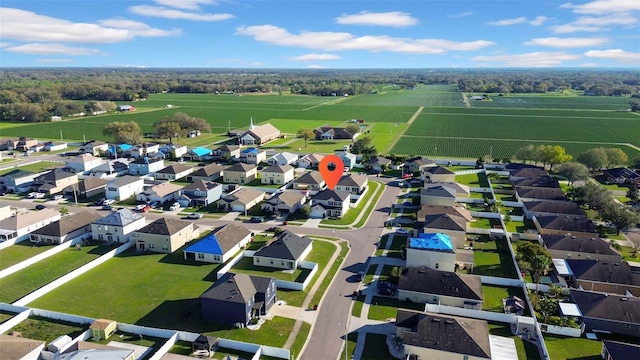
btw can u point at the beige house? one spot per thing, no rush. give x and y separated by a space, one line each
66 229
311 181
258 135
284 252
83 162
310 161
173 172
286 202
220 245
19 226
277 174
353 183
240 173
417 164
437 174
432 250
428 286
161 193
20 348
54 181
117 226
241 200
165 235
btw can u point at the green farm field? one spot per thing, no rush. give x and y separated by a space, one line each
554 101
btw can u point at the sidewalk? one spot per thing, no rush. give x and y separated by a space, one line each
230 216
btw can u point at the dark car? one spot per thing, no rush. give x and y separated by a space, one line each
40 207
99 202
386 292
386 285
360 275
256 219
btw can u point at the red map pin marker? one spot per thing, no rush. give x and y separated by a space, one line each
331 168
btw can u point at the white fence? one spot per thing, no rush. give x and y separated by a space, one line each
146 331
34 259
7 243
240 346
73 274
491 280
165 348
225 269
54 315
476 314
18 318
560 330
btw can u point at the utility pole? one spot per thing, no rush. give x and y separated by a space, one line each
60 134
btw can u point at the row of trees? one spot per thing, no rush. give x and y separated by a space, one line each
594 159
545 154
170 127
42 111
609 210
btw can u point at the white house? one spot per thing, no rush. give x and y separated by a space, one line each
329 203
431 250
83 162
21 224
174 151
118 226
277 174
161 192
348 158
283 158
219 245
173 172
124 187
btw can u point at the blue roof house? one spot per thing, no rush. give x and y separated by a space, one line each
253 155
431 250
198 154
219 245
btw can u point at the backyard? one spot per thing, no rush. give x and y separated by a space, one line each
245 266
19 252
493 296
46 330
493 258
525 349
375 348
383 308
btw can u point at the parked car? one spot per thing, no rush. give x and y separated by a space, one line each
175 206
108 202
156 204
99 202
256 219
194 216
360 275
57 197
140 207
107 207
40 207
403 231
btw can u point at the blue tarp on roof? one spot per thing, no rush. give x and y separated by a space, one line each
250 150
208 245
124 147
431 241
201 151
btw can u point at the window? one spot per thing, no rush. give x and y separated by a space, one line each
100 237
257 259
437 266
200 256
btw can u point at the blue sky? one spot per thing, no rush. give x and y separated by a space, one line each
320 34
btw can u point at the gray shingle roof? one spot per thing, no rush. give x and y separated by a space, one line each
230 235
279 169
327 194
604 271
240 167
165 226
607 306
208 170
120 217
68 224
200 185
594 245
313 178
174 169
445 283
287 245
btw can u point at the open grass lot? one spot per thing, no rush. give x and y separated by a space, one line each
245 266
19 284
496 262
562 348
383 308
493 296
36 167
19 252
473 180
525 349
556 100
375 348
46 330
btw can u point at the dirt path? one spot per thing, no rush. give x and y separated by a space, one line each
466 100
398 136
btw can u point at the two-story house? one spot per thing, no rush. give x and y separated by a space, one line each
240 173
199 193
54 181
329 204
310 181
117 226
83 162
211 172
253 155
353 183
161 193
124 187
277 174
165 235
173 172
95 148
173 151
146 165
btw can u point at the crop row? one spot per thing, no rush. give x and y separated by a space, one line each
567 113
556 102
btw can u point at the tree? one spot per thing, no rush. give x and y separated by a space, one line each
352 129
167 130
554 154
635 244
306 134
635 106
594 159
615 157
537 260
181 121
364 147
636 162
594 195
121 132
573 171
621 217
633 194
525 154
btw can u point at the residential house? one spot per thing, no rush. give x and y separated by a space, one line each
21 144
603 276
431 250
311 181
5 211
66 229
353 183
438 195
240 173
416 164
173 151
173 172
277 174
118 226
615 350
124 187
89 187
437 336
18 181
550 207
83 162
544 181
285 202
430 210
211 172
54 181
21 224
220 245
259 135
20 348
329 204
310 161
348 159
144 149
424 285
54 146
162 192
326 132
608 313
377 164
111 168
437 174
569 246
577 225
283 158
235 299
125 108
527 193
95 148
240 200
165 235
286 251
454 225
460 190
229 152
198 154
621 176
199 193
118 150
522 171
253 155
146 166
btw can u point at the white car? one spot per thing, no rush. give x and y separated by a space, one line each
109 202
403 231
140 207
194 216
58 197
174 207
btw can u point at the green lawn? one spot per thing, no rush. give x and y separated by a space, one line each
484 223
296 347
356 310
46 330
373 191
383 308
4 316
627 253
562 348
525 349
19 284
371 206
398 242
520 226
496 262
371 270
493 296
352 340
245 266
375 347
473 180
382 244
36 167
19 252
344 250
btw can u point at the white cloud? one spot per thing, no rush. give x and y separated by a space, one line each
163 12
506 22
462 14
342 41
54 60
185 4
539 20
316 57
571 28
594 23
52 49
316 67
567 43
257 63
589 65
392 18
533 59
4 44
619 55
603 6
138 28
